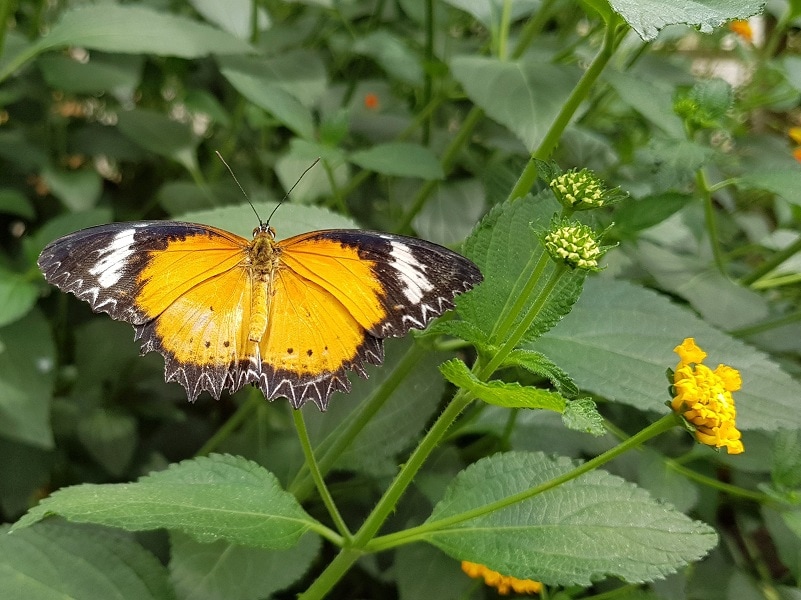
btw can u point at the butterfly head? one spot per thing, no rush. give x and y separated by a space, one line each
265 228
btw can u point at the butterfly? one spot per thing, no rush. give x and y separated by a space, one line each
290 317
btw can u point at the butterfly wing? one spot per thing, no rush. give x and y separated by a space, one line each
183 286
338 293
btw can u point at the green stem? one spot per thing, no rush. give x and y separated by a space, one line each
254 399
508 316
503 30
709 217
532 28
773 262
744 332
386 505
7 8
311 462
721 486
302 484
428 82
519 331
415 533
569 108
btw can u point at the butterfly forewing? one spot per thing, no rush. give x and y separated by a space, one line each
191 291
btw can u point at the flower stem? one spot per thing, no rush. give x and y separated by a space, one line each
560 123
709 216
311 462
386 505
403 537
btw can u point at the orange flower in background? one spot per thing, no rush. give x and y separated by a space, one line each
371 101
743 29
503 583
703 397
794 133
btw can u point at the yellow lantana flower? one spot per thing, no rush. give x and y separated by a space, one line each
743 29
503 583
703 397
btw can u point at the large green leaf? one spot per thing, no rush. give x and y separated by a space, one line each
400 159
62 561
135 29
18 294
161 135
594 526
647 17
219 497
785 183
220 571
525 95
27 372
619 340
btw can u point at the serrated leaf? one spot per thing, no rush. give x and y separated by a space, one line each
507 395
784 183
220 571
26 380
647 17
539 364
525 96
506 248
582 415
59 560
219 497
399 159
17 296
461 329
281 104
568 535
139 30
786 471
619 342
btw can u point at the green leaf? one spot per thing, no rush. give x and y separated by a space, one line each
110 437
655 474
317 182
506 248
27 372
161 135
139 30
78 190
508 395
13 202
524 95
17 296
24 471
219 497
634 215
650 96
568 535
118 74
392 53
582 415
450 214
272 98
59 560
220 571
425 572
539 364
233 16
489 12
301 73
619 341
782 183
671 163
647 17
786 471
400 159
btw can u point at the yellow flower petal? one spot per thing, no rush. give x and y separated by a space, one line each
503 583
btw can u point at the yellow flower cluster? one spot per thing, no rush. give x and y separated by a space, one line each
703 397
578 189
503 583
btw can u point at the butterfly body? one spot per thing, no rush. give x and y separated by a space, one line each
290 316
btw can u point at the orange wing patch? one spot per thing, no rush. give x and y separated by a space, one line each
291 317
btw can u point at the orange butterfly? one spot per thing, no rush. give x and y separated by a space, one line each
289 316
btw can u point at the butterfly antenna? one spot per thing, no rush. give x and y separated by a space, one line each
309 168
231 171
